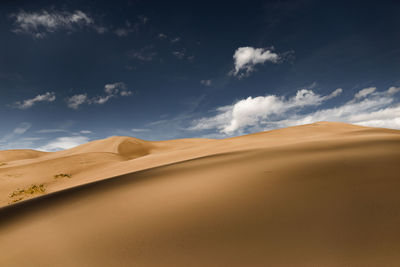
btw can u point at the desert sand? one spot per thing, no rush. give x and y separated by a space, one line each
322 194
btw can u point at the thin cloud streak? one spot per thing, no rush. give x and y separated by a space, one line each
28 103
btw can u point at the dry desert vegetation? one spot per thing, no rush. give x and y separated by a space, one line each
322 194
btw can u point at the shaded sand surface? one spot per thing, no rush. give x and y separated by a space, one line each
323 194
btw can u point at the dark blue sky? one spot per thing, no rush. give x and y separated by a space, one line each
74 71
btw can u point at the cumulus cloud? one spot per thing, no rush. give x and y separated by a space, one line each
39 24
76 100
25 104
206 82
62 143
245 58
271 111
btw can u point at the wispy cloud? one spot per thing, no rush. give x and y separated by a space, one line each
364 92
206 82
7 140
147 53
175 40
163 36
245 59
39 24
179 54
25 104
183 55
139 130
111 90
129 28
62 143
22 128
271 111
76 100
51 131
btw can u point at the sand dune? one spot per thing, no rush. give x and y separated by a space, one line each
323 194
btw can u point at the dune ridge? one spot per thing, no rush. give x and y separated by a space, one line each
322 194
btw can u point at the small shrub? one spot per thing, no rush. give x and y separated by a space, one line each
62 175
33 189
2 164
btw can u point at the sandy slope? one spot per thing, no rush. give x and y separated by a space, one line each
324 194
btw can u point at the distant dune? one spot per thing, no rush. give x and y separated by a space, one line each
322 194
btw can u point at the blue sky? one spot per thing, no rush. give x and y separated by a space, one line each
75 71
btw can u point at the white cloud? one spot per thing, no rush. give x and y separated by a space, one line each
62 143
245 58
125 93
76 100
393 90
206 82
111 90
364 92
47 97
22 128
39 24
139 130
115 88
100 99
269 112
86 132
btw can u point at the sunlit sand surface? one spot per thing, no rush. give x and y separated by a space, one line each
322 194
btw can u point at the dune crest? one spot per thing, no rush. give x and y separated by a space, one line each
19 154
129 147
323 194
